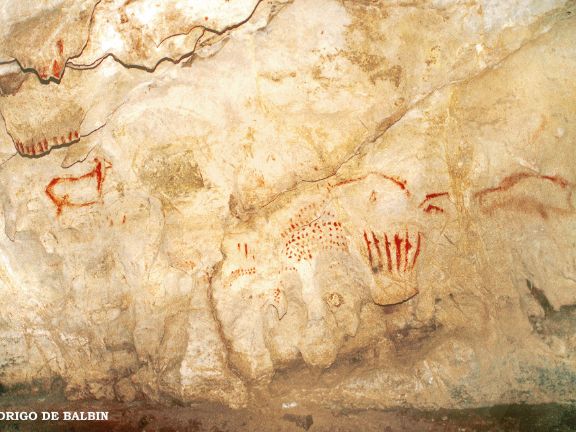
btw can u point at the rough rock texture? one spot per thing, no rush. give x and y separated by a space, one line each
349 203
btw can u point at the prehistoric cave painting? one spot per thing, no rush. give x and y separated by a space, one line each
243 248
237 273
400 253
80 34
391 236
428 207
543 206
303 280
392 257
399 182
41 116
246 271
296 288
309 233
43 145
528 193
244 256
243 290
322 280
56 66
56 32
144 34
82 191
37 120
78 44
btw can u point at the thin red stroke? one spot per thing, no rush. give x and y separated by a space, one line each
407 247
42 146
511 180
377 244
430 207
398 244
417 251
60 46
388 254
401 183
368 247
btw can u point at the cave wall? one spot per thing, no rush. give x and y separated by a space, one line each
351 203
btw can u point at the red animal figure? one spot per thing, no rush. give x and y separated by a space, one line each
528 193
82 191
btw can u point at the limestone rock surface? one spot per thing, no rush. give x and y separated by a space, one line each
357 204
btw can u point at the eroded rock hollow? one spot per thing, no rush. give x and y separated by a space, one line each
354 204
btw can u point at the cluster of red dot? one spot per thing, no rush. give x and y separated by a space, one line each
238 273
304 239
277 295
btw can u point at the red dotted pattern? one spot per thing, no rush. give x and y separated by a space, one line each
239 273
277 295
304 239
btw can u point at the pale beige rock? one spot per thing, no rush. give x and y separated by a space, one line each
41 116
140 33
353 204
125 390
42 36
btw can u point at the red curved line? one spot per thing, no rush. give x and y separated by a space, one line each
401 183
432 196
511 180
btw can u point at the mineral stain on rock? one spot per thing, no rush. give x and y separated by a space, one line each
175 175
10 83
302 421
